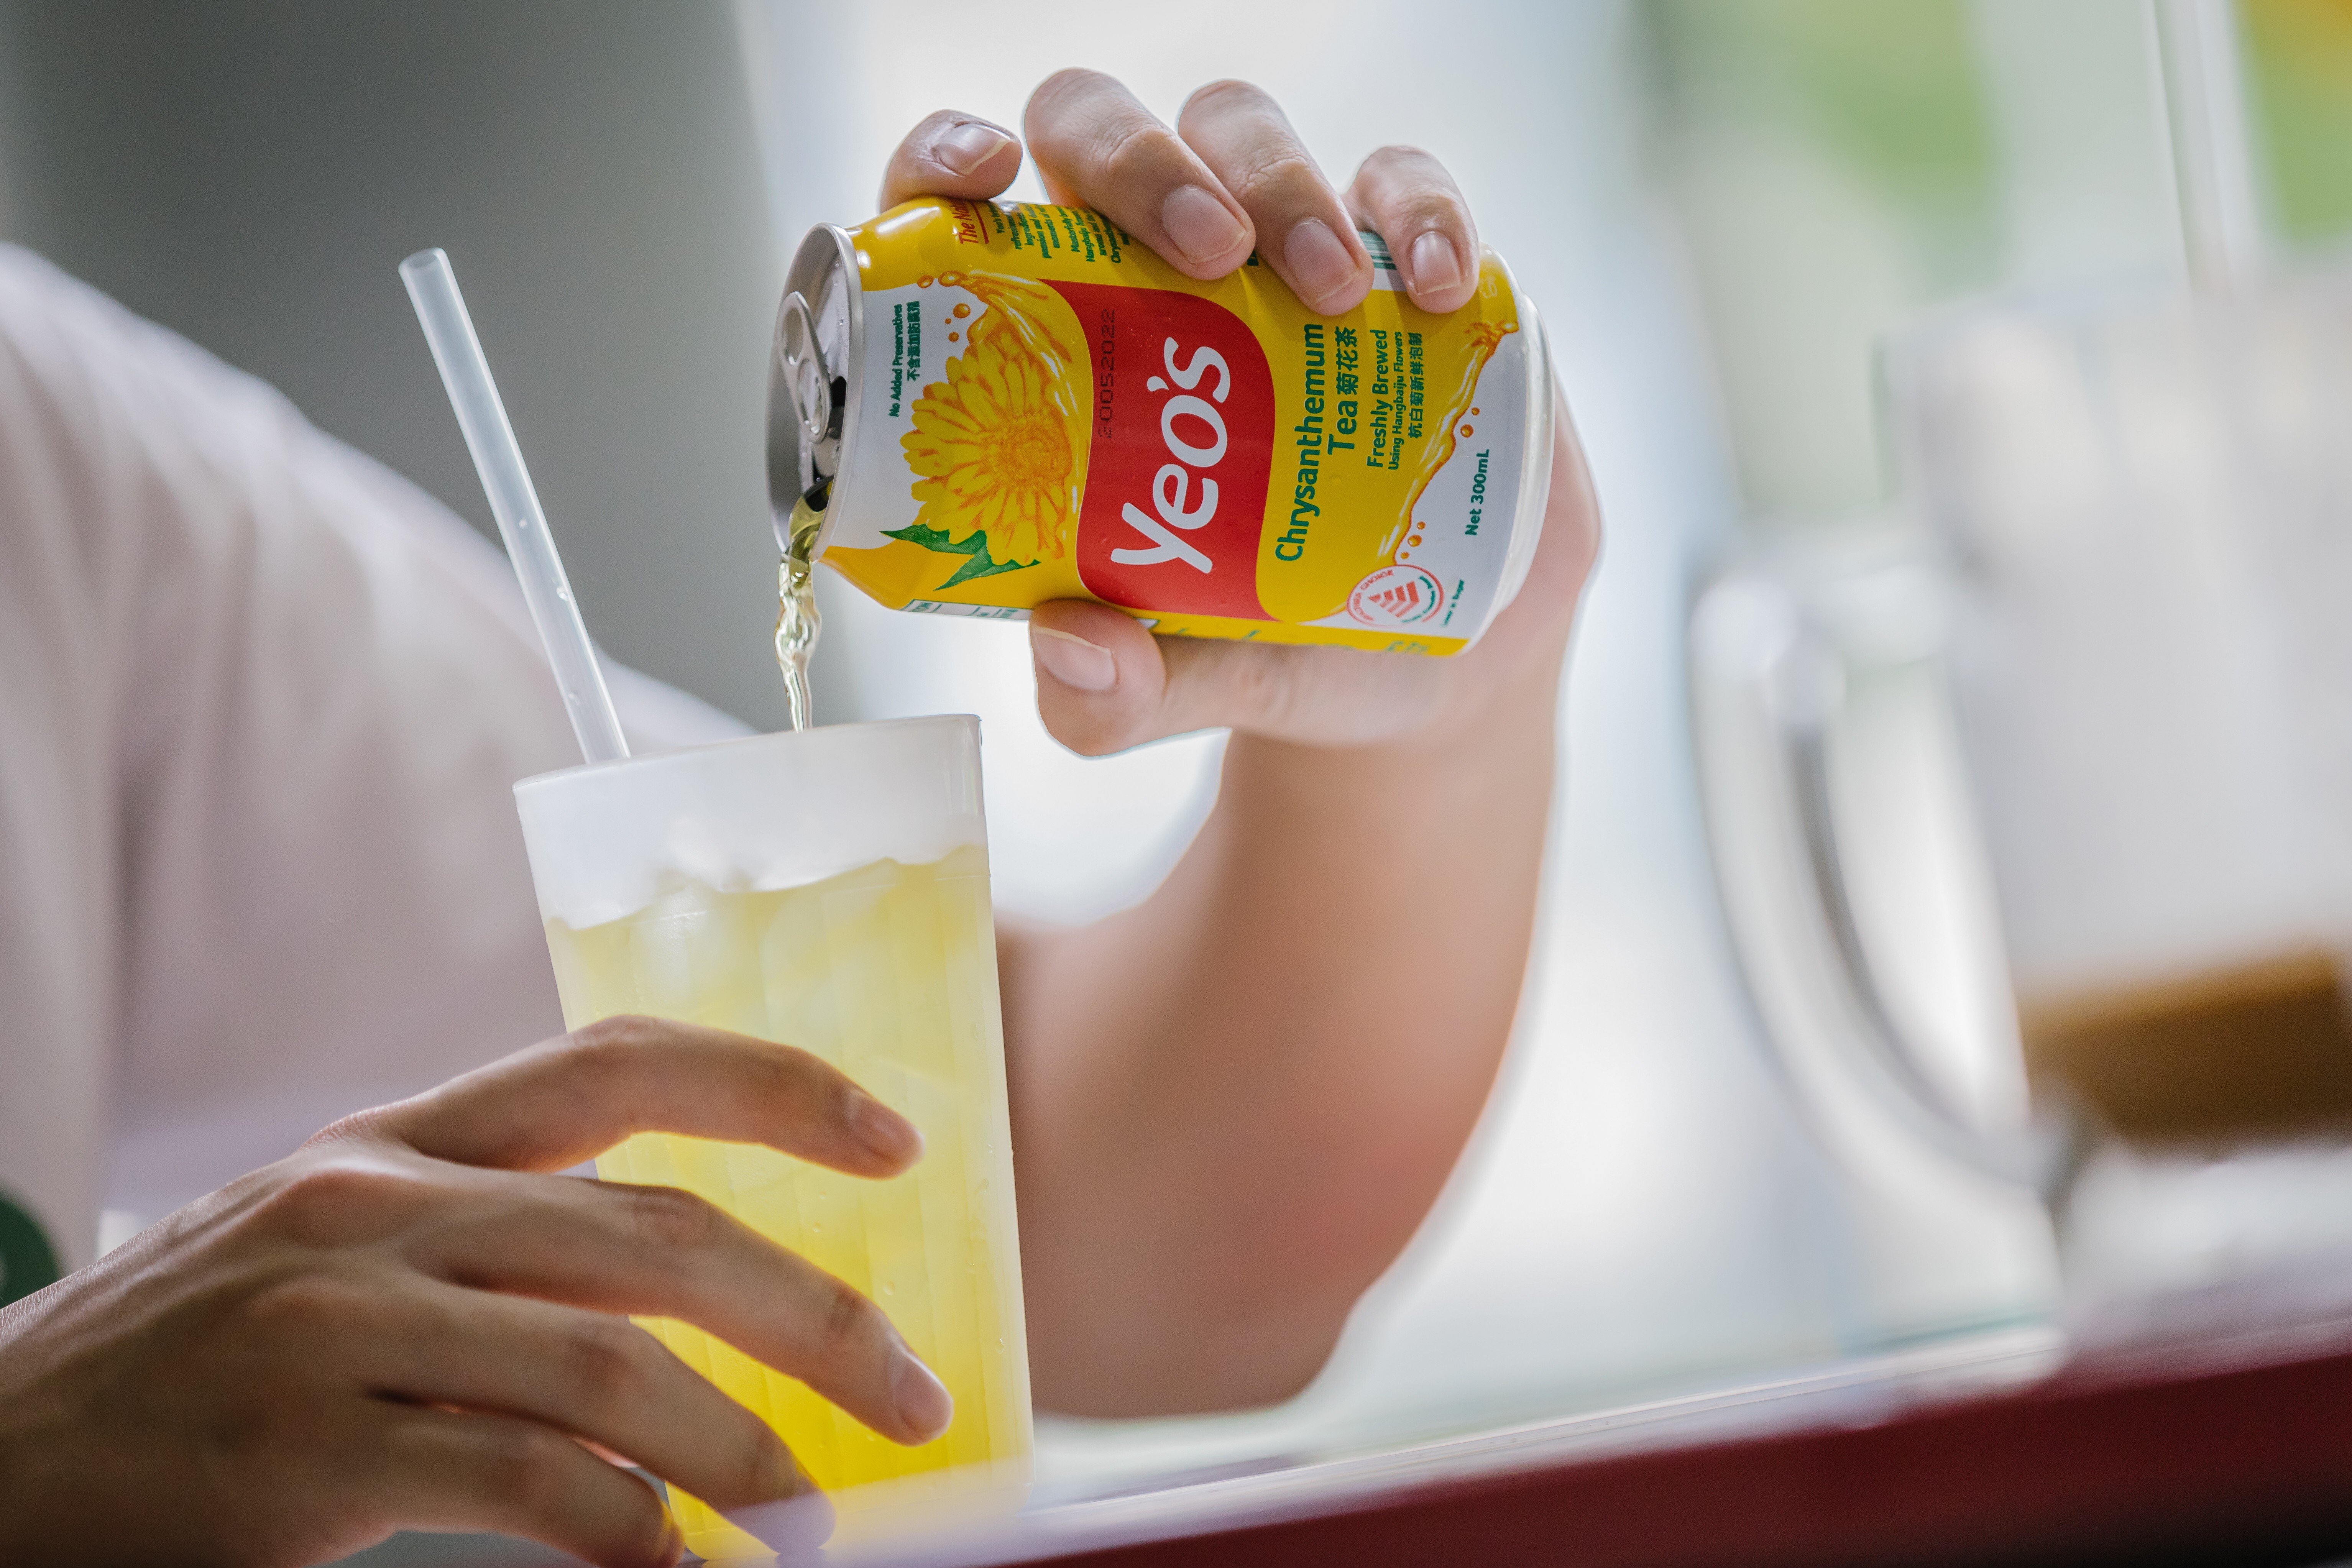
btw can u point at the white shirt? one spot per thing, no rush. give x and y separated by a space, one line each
261 705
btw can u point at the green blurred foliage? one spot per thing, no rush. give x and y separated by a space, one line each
1841 165
1888 89
2299 57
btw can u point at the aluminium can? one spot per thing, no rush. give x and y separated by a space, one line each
996 404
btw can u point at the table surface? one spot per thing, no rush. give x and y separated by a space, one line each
1994 1448
2000 1448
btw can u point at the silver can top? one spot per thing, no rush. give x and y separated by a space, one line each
812 372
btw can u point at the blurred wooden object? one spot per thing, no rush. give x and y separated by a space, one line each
2235 1451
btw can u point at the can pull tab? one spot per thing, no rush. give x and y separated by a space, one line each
819 397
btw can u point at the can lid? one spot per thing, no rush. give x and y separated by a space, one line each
812 374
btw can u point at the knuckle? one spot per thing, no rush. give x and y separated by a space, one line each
1278 172
304 1308
781 1067
603 1061
605 1361
521 1462
1277 694
805 1088
764 1458
1408 177
1258 692
330 1202
1431 210
1090 733
621 1033
653 1542
850 1320
1208 685
359 1127
1131 149
670 1219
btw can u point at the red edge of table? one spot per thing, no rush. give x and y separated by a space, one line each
2147 1461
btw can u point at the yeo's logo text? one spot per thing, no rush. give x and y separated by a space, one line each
1182 446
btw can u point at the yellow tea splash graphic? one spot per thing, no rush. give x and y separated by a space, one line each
1478 346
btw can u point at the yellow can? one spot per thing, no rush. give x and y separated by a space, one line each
995 405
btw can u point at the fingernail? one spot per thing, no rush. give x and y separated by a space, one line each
968 146
1073 660
1199 224
923 1400
883 1129
672 1544
1434 265
1321 266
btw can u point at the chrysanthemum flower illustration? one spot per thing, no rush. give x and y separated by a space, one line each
989 452
994 448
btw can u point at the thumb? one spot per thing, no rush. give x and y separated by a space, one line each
951 154
1101 683
1105 683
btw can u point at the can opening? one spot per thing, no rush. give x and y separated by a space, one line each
820 398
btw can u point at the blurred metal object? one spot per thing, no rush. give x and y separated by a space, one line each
1778 645
1805 688
2128 556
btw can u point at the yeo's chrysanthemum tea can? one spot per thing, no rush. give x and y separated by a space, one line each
994 404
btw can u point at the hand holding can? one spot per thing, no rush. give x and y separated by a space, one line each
1002 406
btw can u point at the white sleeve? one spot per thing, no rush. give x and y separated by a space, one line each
261 704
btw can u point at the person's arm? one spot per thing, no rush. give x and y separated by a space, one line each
1234 1103
1238 1100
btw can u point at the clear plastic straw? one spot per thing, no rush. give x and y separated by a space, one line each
433 289
2210 145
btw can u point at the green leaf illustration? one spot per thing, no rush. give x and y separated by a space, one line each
975 549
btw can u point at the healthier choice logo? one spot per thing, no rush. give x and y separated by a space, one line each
1396 597
1182 446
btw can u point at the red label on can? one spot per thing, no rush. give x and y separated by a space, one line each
1182 447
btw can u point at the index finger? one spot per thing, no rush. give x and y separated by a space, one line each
556 1104
1097 147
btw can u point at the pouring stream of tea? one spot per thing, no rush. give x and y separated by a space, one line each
797 622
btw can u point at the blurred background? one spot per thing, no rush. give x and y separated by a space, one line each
1723 206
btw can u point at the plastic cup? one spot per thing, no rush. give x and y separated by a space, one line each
827 889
